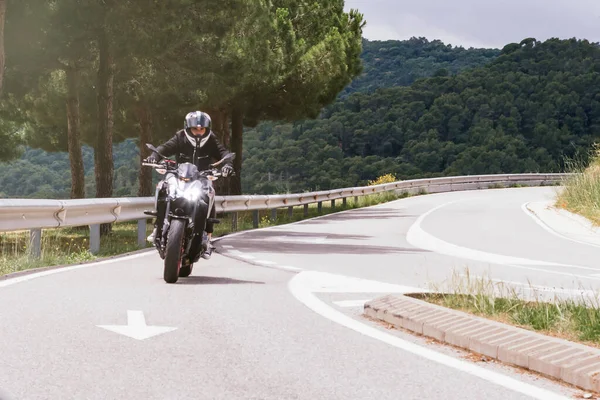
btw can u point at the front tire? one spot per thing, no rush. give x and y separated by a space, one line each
174 250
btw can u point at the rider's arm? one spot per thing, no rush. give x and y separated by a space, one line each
169 148
218 151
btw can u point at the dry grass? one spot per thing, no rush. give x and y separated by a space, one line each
572 318
581 193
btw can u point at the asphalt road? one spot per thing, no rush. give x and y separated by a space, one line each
291 328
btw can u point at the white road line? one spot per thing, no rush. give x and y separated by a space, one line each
266 262
351 303
226 246
288 268
246 256
540 288
550 271
28 277
541 223
418 237
299 287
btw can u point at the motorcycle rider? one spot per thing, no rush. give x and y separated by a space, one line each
198 144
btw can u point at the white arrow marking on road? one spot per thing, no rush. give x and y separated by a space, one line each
136 327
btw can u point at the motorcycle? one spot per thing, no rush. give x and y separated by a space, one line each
188 195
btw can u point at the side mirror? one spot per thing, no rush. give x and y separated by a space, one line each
154 149
228 157
148 145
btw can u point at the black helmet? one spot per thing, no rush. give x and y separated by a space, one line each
197 119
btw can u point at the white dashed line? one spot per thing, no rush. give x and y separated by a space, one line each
226 246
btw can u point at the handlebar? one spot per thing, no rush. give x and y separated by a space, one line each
164 165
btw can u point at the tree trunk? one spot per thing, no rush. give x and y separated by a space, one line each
103 157
2 17
74 133
226 129
220 126
237 129
145 175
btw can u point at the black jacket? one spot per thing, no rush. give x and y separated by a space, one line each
201 151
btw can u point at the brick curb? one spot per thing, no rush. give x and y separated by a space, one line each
570 362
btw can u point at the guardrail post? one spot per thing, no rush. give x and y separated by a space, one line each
35 243
332 204
95 238
344 202
141 231
255 218
234 221
290 211
306 210
320 206
274 214
355 200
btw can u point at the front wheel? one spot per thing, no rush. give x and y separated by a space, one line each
174 250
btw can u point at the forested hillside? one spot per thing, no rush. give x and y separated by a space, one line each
400 63
532 108
40 174
527 108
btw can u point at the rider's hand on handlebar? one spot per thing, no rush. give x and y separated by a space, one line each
226 170
152 159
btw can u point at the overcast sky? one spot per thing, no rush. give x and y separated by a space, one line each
479 23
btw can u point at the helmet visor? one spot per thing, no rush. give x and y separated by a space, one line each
196 121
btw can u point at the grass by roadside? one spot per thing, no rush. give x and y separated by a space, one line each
581 193
576 318
64 246
70 245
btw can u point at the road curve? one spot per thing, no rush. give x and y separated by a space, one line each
277 314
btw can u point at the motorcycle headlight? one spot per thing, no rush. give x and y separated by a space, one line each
192 194
172 184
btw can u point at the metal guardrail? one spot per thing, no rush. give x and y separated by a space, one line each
35 215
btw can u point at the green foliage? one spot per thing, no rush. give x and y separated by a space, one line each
526 111
316 53
40 174
400 63
530 108
387 178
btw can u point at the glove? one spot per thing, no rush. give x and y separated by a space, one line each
153 158
226 170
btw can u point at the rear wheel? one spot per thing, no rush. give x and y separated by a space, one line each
174 250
